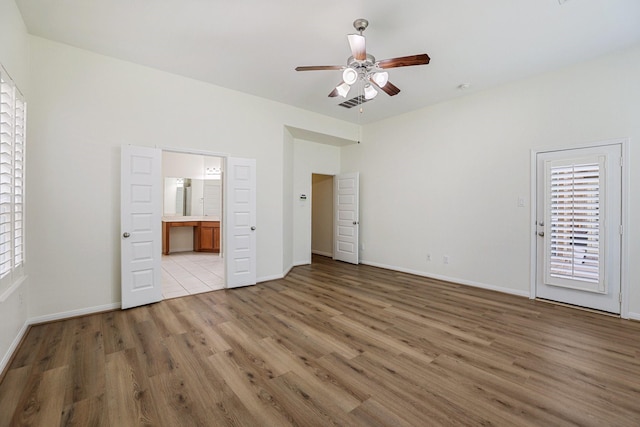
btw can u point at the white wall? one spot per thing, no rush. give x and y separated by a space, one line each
84 107
287 201
14 57
308 158
453 172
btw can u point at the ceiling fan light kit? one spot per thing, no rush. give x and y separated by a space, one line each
349 76
381 78
363 68
369 91
343 89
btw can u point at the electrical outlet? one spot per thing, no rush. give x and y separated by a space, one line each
362 247
428 257
445 259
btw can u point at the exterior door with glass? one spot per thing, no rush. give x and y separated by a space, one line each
579 226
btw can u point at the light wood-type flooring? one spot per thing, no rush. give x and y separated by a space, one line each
331 344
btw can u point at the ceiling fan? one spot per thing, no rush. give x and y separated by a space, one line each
363 67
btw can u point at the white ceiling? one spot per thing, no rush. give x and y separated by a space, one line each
254 45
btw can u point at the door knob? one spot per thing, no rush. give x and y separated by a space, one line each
355 222
541 233
253 228
125 235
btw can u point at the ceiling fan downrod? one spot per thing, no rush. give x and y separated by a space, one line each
360 25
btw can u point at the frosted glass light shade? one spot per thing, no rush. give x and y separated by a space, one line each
369 92
381 78
343 89
349 75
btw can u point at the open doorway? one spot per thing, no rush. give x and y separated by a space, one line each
192 259
322 215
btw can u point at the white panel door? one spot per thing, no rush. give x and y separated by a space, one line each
347 217
579 217
240 222
140 221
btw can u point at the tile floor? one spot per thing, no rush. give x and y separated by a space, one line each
188 273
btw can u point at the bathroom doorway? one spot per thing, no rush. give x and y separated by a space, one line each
192 258
322 212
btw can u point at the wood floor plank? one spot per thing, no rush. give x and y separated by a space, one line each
88 412
27 352
41 402
86 366
398 399
307 405
176 401
251 390
371 413
13 382
117 334
151 346
330 344
128 396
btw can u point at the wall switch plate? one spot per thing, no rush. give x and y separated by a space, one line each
445 259
521 202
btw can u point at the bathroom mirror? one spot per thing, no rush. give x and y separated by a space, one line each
192 185
192 197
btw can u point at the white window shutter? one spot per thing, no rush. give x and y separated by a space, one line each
13 111
575 218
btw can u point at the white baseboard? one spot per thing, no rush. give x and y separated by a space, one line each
633 316
287 271
267 278
13 347
450 279
327 254
73 313
299 263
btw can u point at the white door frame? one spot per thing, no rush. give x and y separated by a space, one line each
224 157
333 208
624 250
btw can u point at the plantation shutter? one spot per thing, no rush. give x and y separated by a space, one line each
7 123
13 112
18 181
575 219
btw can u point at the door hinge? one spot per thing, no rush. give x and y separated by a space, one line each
621 161
620 298
621 230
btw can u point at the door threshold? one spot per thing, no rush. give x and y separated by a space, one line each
578 307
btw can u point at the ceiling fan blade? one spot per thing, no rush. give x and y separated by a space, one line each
334 93
358 46
390 89
319 67
405 61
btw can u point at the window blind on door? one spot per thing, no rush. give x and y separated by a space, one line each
575 223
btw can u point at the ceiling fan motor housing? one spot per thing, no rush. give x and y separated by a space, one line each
360 24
